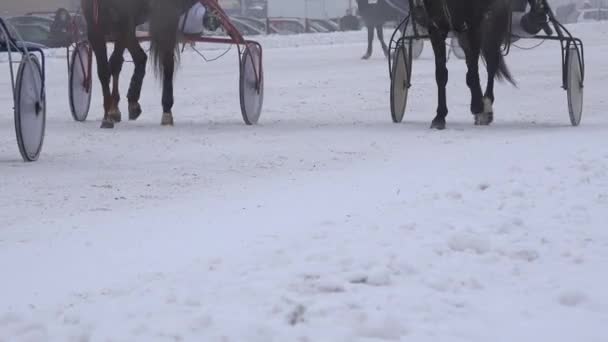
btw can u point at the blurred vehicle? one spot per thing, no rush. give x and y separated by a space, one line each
246 28
592 15
34 33
260 24
315 27
329 25
291 25
349 22
51 29
24 35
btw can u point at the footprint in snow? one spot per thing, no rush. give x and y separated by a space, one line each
572 298
380 277
468 242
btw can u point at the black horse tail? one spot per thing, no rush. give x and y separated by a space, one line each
495 32
164 20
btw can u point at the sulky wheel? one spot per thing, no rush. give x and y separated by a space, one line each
30 108
251 84
80 81
575 85
456 48
400 83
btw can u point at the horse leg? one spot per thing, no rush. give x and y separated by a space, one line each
116 62
370 41
139 59
380 33
441 77
472 52
167 101
486 116
98 44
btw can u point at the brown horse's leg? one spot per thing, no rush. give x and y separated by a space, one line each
116 62
98 43
139 59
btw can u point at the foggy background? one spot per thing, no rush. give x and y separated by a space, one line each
275 8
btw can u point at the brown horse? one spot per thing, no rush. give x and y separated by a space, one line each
118 19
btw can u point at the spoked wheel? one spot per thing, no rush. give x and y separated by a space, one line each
400 83
80 81
251 84
30 108
456 48
575 86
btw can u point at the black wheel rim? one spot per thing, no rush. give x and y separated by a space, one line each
251 85
80 82
399 86
575 87
30 109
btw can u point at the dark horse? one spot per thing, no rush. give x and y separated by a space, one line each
375 14
482 27
118 20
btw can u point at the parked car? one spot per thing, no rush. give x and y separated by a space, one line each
592 15
260 24
49 28
26 35
291 25
246 28
329 25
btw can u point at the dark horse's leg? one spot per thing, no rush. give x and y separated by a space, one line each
139 59
164 18
116 62
380 33
472 52
494 33
167 101
370 41
441 77
98 43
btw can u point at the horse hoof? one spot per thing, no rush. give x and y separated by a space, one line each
167 119
107 124
438 124
484 119
115 115
134 111
366 56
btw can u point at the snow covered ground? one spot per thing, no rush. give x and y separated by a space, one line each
324 223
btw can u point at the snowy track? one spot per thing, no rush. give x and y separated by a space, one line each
324 223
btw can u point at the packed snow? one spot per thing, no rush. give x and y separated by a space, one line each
326 222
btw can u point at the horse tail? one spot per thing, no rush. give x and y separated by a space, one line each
495 31
164 20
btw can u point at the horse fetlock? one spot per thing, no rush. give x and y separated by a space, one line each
488 105
438 123
107 123
134 110
115 115
167 119
484 119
